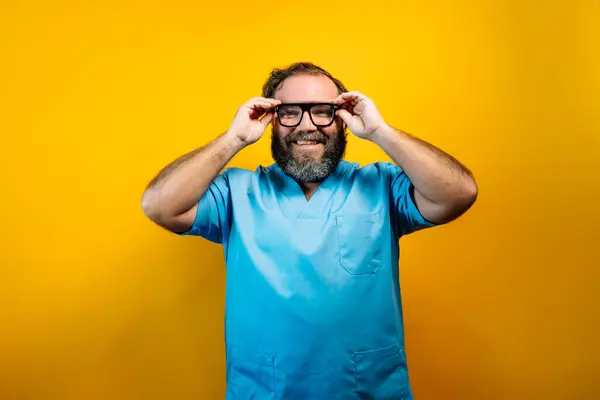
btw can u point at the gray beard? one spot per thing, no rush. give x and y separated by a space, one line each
306 169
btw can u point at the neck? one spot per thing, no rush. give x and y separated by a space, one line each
308 188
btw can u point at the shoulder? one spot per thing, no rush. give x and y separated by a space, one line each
240 173
377 170
243 177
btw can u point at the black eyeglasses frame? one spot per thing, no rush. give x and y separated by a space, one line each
306 107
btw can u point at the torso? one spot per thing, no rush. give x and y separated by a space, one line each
313 304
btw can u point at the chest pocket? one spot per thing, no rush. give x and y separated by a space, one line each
359 240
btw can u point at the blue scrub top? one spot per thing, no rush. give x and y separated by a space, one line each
313 304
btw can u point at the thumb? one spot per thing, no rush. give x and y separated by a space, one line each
266 120
344 115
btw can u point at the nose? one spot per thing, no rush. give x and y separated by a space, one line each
306 124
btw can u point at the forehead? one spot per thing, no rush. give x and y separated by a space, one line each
307 88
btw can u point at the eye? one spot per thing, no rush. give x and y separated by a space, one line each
323 111
289 113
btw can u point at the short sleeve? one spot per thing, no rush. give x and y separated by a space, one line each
406 216
213 216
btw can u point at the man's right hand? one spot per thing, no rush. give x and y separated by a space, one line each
247 125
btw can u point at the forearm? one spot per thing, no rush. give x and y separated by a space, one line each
437 177
181 184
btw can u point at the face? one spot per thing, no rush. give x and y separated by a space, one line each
306 152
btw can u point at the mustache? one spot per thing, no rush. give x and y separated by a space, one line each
316 136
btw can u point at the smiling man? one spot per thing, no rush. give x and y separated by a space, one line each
313 304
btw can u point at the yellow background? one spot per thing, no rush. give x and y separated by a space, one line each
96 302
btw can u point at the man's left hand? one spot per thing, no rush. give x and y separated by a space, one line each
360 114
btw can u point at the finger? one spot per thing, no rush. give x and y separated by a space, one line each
261 106
270 99
267 119
349 97
341 99
258 107
355 95
348 106
265 102
265 105
344 115
255 113
260 102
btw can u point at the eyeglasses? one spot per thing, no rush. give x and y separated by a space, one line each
321 114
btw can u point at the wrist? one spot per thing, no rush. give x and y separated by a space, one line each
234 141
383 134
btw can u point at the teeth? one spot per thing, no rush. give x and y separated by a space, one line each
307 142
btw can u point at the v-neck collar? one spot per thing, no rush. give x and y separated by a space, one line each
313 207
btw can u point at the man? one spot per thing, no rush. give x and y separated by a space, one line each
311 242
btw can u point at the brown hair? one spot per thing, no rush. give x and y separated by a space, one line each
278 76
